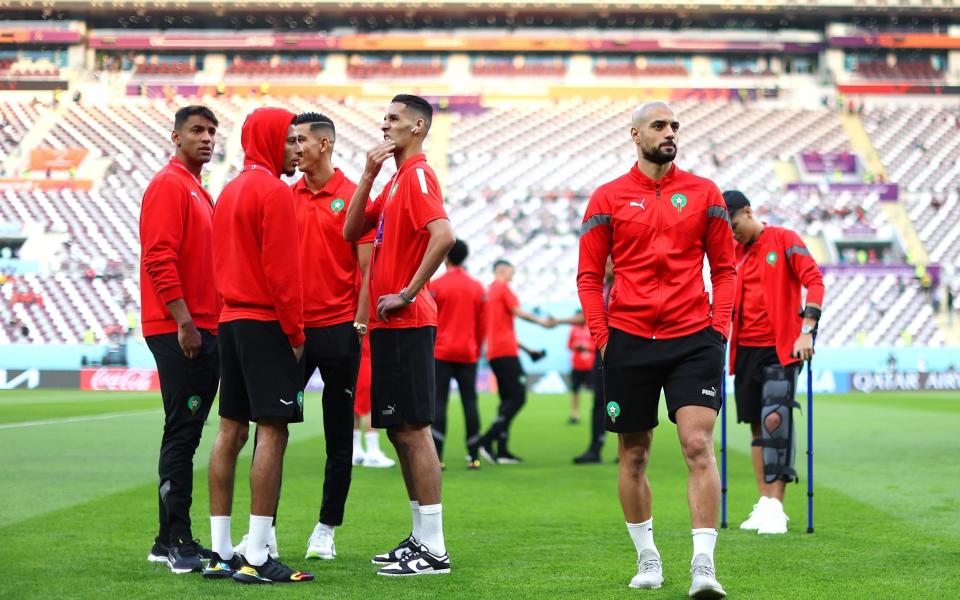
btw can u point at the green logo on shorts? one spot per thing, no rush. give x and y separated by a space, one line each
193 403
679 201
300 400
337 205
613 411
772 258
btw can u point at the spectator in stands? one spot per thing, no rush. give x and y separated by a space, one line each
181 308
771 337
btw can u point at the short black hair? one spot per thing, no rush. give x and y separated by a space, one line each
418 105
181 116
501 261
458 253
317 121
735 200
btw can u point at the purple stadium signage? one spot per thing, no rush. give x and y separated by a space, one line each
889 192
822 162
896 381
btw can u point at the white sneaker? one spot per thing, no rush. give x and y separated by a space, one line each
378 460
241 548
704 584
358 457
649 571
320 545
757 514
774 519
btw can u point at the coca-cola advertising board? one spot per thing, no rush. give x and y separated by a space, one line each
119 379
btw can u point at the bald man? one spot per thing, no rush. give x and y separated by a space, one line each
660 332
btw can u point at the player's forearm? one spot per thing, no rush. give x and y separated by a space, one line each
527 316
181 314
441 240
363 301
355 224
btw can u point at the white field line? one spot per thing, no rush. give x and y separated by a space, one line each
83 419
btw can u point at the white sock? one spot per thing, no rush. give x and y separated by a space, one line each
704 541
373 441
415 509
357 442
220 537
642 535
431 517
257 542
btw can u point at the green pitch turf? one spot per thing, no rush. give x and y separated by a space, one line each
77 491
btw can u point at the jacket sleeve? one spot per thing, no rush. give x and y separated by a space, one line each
720 253
596 241
161 230
806 269
280 258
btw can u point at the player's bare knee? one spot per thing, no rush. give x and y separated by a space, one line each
698 450
771 423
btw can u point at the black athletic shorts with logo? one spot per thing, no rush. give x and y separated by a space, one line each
581 378
259 375
403 386
688 369
748 379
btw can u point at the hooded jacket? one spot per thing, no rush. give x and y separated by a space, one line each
256 259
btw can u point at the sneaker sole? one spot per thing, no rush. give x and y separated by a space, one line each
771 532
185 571
487 456
507 461
218 574
646 587
319 556
707 592
437 572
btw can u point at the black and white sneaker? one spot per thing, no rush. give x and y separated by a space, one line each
506 458
184 557
407 546
420 562
158 553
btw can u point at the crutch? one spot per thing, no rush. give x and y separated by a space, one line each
809 446
723 452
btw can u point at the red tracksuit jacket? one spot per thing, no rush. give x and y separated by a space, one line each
788 266
256 258
175 251
657 233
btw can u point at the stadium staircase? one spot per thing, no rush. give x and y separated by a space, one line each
33 138
787 172
437 153
895 211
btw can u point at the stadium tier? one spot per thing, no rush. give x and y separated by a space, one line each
517 181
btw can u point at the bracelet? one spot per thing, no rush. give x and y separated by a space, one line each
402 294
361 328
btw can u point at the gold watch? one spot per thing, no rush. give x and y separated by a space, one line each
360 327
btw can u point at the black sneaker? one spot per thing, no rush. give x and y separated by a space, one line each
407 546
506 458
420 562
184 557
272 571
590 457
158 553
219 568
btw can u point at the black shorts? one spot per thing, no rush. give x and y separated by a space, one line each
403 386
748 380
259 375
688 369
581 378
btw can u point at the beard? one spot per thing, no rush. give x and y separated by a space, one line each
659 156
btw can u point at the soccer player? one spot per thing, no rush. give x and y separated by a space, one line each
771 338
582 352
180 312
335 311
660 331
257 271
460 314
373 457
503 353
413 236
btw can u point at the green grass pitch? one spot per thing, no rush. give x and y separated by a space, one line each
77 490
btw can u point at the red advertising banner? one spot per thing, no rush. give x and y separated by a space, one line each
28 185
119 379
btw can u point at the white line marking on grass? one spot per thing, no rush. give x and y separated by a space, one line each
116 415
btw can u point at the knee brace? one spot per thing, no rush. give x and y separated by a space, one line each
778 438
